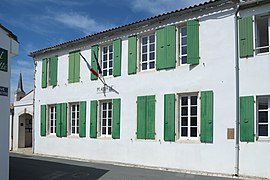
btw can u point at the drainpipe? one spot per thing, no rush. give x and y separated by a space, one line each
237 122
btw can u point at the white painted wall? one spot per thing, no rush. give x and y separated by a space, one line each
25 105
12 46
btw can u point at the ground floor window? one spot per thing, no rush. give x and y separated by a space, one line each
188 117
263 117
106 118
75 117
52 119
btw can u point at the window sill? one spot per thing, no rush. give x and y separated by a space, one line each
105 137
74 136
188 141
265 139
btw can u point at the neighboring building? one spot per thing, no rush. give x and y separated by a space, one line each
9 47
21 118
173 101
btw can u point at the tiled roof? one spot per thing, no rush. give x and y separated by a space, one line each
10 34
157 17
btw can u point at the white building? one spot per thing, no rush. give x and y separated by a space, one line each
9 47
174 96
21 118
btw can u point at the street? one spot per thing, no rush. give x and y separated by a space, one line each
32 167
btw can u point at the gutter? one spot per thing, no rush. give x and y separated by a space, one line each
237 122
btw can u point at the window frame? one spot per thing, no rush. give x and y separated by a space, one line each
139 53
262 138
179 45
101 59
178 118
100 116
69 116
49 119
257 48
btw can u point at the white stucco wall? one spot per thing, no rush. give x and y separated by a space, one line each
12 46
254 73
24 106
214 72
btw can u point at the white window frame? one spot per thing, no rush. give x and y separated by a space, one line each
257 48
148 61
178 119
76 118
257 121
107 119
181 55
108 68
52 121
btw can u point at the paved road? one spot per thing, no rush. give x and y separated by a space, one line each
25 167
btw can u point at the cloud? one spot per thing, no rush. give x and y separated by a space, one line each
155 7
81 22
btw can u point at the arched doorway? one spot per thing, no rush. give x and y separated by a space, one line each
25 130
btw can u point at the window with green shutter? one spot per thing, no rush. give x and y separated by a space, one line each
132 55
61 120
207 111
193 42
93 119
169 117
74 67
117 50
44 73
146 117
53 66
82 119
116 103
94 60
43 120
247 119
166 47
246 36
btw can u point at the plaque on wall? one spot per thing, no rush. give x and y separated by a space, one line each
3 91
3 60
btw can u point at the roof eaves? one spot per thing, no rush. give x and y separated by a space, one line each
10 34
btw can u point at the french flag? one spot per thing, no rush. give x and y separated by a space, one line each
92 70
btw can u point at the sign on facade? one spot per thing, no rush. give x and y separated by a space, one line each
3 60
3 91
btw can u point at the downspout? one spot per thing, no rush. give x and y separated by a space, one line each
33 118
237 122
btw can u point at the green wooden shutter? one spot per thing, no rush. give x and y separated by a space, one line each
63 119
247 119
43 120
71 67
44 73
77 66
169 117
117 50
161 49
58 120
94 60
93 119
53 70
82 123
141 117
207 108
171 46
246 36
132 55
116 118
193 42
150 122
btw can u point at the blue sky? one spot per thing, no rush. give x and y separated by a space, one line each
43 23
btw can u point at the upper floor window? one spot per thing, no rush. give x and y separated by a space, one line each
148 52
74 67
262 34
49 71
107 60
183 45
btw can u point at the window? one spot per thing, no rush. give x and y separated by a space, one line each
106 118
75 118
183 45
188 117
52 119
262 34
148 52
74 67
263 117
49 71
107 60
